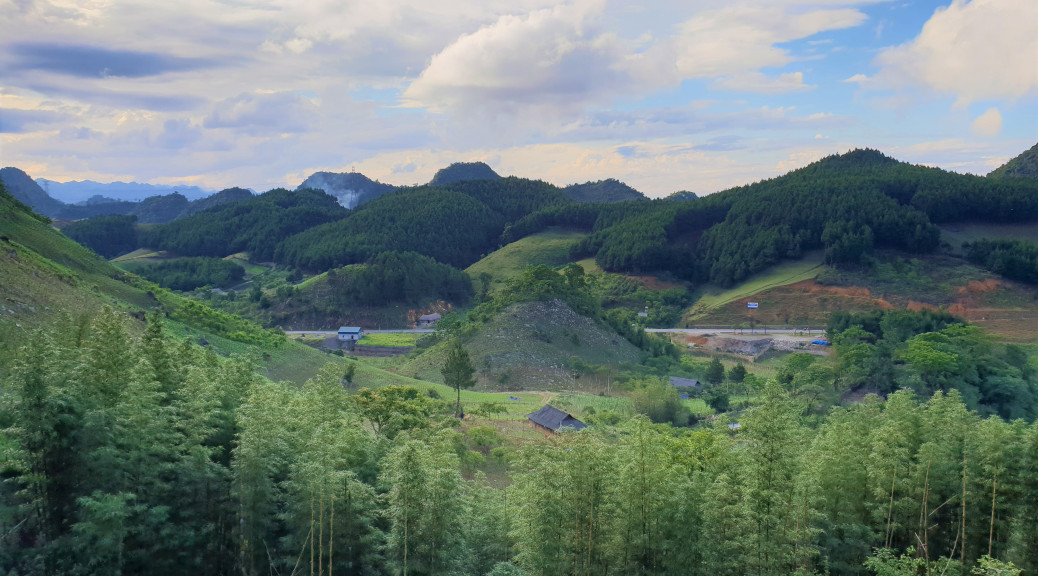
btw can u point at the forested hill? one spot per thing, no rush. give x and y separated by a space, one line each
350 188
151 210
1023 166
846 204
256 225
459 171
609 190
454 225
27 191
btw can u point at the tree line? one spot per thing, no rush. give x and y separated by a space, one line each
1014 259
257 225
190 273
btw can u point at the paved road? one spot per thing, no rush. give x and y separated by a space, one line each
334 332
739 332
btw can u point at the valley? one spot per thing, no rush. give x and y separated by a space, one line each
706 344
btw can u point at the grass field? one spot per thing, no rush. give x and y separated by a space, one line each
956 235
550 248
140 255
242 259
785 273
388 339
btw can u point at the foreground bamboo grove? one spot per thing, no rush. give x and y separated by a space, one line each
127 455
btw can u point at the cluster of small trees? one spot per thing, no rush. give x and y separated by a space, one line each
929 351
1014 259
190 273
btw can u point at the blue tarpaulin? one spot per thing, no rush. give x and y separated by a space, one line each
820 342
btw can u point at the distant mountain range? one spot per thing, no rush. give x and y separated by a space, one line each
154 209
353 189
76 192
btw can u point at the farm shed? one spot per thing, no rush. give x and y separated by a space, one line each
551 419
428 320
349 333
684 382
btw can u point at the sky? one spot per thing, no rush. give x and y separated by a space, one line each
665 95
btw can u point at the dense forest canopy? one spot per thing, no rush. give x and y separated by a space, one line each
454 225
1014 259
846 205
256 225
1023 166
461 171
109 236
190 273
404 277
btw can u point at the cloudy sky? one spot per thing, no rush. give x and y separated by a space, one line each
665 95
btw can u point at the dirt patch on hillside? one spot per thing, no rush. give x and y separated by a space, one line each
752 347
804 303
691 341
812 287
920 306
980 287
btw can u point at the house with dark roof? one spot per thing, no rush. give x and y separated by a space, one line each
684 382
428 320
551 419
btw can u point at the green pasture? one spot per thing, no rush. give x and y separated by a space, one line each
782 274
388 339
550 248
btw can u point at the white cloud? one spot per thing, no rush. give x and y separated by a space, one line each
734 40
277 113
978 50
760 83
553 56
988 124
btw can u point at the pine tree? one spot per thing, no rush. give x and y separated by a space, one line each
458 371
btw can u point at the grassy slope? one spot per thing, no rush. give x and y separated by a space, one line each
549 248
781 275
529 346
47 280
787 298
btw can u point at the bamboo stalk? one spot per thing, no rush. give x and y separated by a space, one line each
890 510
331 536
962 552
991 531
923 515
311 532
320 535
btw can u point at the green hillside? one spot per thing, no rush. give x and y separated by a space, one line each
1023 166
47 280
459 171
533 346
551 248
609 190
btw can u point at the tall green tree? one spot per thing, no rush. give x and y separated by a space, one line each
458 371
